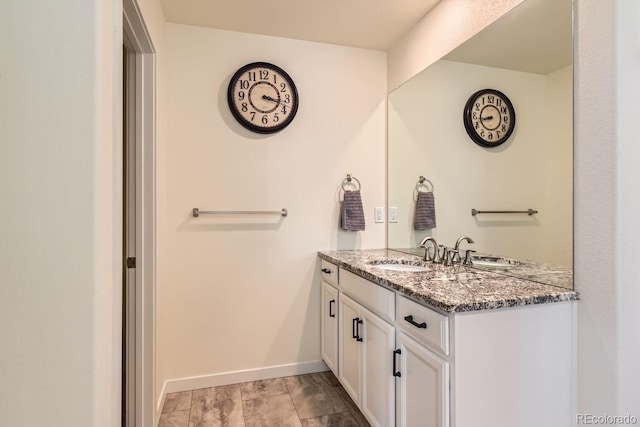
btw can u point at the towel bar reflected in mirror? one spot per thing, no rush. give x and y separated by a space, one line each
530 212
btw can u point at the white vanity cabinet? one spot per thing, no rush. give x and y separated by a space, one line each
365 350
422 384
407 365
422 387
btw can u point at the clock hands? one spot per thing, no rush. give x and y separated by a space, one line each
486 118
272 99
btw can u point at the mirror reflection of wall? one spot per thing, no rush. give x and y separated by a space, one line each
533 169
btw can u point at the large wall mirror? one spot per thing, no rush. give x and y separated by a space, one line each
526 54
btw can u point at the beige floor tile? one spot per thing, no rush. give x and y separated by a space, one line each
353 409
270 412
265 388
314 396
343 419
174 419
177 401
217 407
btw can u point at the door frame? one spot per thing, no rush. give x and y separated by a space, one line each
138 40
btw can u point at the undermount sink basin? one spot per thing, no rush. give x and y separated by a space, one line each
401 267
491 262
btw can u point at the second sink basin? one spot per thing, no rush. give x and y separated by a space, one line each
489 261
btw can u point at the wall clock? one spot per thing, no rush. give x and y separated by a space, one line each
262 97
489 117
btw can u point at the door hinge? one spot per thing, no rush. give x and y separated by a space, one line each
131 262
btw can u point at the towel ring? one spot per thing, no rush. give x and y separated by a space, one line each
419 184
349 181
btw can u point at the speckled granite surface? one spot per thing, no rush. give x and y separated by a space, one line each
448 289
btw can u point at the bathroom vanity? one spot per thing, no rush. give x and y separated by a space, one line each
418 344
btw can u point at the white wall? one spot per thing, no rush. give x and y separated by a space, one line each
606 205
531 170
59 255
240 293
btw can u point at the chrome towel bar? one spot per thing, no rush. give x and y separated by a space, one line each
197 212
530 212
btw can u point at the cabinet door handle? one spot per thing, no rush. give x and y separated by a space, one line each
331 313
396 373
409 319
358 323
326 270
353 328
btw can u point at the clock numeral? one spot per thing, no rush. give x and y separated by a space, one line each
482 133
287 98
265 119
283 87
241 96
253 115
284 109
276 118
251 76
477 126
244 107
498 134
490 99
474 116
477 106
506 119
275 78
504 128
503 110
244 84
490 136
264 75
499 102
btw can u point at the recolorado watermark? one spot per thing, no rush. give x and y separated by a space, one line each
591 419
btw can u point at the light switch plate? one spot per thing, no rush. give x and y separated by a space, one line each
393 214
378 215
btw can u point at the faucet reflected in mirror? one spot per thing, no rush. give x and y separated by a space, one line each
426 135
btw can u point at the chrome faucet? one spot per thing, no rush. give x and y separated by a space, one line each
436 253
456 250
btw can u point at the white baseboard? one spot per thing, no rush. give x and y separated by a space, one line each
225 378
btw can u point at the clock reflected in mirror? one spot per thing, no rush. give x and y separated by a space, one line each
262 97
489 117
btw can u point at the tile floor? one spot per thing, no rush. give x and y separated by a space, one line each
310 400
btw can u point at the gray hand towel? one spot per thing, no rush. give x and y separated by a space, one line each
351 211
425 211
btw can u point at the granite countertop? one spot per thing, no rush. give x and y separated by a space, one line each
451 289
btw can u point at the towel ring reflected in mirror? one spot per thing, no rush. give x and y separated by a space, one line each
348 181
422 184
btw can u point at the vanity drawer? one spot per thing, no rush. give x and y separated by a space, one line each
329 272
423 324
374 297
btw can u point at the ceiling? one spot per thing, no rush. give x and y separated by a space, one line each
368 24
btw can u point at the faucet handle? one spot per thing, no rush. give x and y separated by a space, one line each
468 257
455 256
445 256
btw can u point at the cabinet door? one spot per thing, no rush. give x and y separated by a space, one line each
422 390
329 324
349 348
378 382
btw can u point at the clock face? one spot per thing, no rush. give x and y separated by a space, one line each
489 117
262 97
